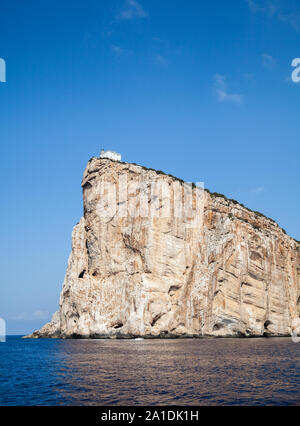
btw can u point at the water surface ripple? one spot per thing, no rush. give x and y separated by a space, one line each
150 372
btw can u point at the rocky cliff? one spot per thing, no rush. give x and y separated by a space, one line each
223 270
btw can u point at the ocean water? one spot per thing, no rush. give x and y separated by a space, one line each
150 372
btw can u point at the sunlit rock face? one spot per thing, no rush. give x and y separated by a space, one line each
222 271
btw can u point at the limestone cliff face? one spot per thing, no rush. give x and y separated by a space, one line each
231 272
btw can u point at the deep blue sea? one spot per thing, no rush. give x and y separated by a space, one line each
150 372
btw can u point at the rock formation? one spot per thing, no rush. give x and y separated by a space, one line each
229 272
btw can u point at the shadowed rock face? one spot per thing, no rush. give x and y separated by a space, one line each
230 272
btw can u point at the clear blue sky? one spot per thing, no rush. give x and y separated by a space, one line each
200 89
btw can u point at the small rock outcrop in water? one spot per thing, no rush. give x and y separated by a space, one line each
233 272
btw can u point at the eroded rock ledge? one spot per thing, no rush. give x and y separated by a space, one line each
234 274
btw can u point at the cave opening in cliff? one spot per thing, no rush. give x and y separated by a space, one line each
266 324
119 324
81 275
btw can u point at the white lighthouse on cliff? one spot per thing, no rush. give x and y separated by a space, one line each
111 155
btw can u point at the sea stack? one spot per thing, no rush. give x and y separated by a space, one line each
222 271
